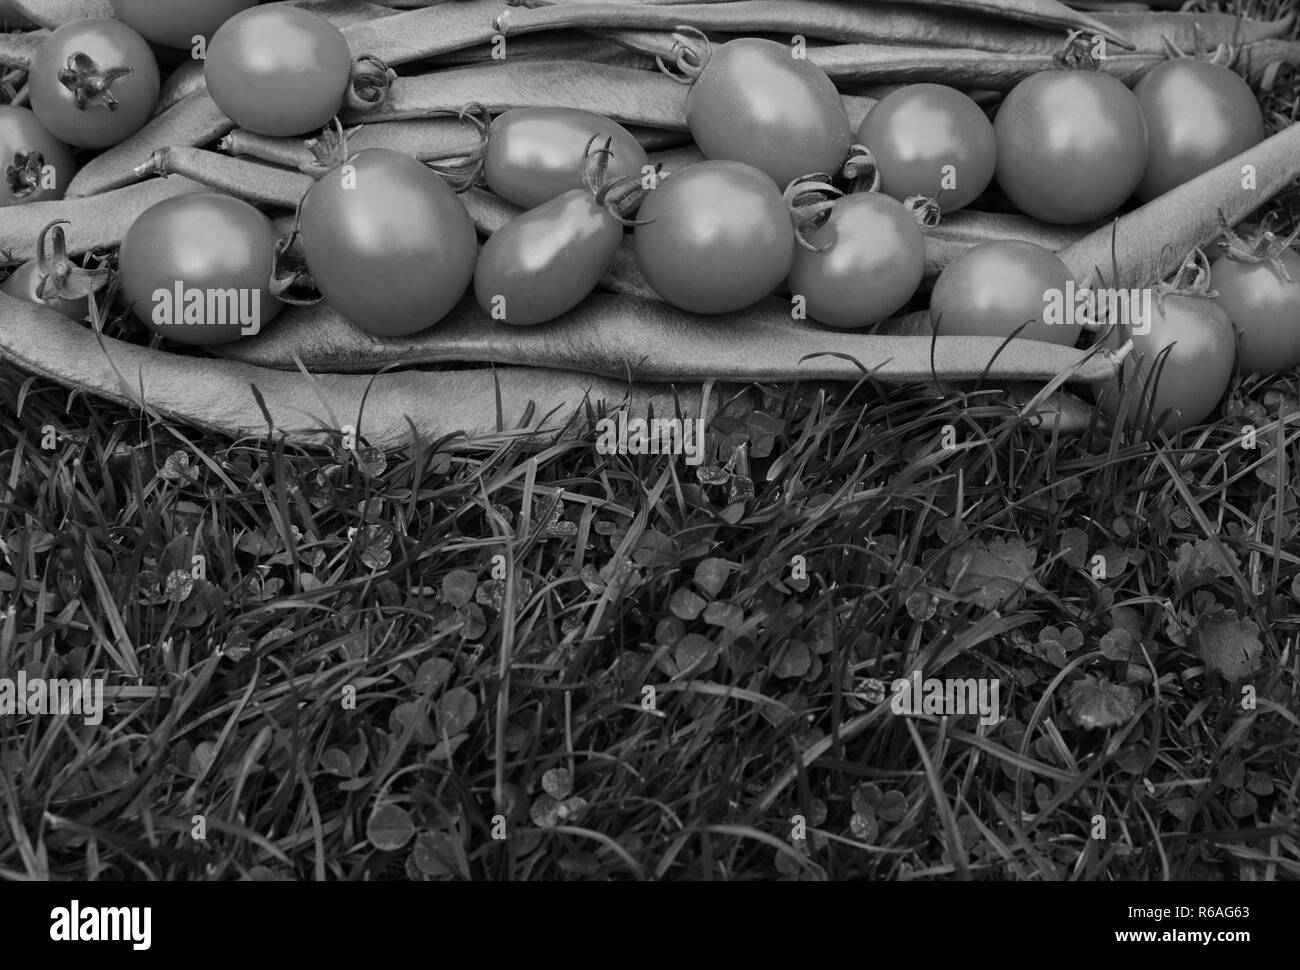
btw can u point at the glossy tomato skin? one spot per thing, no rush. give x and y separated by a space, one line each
23 284
110 44
1264 308
1193 375
1071 145
278 70
718 237
22 134
872 263
1198 114
990 290
206 242
537 154
175 23
918 131
545 262
395 252
756 103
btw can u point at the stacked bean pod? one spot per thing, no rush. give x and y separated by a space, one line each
670 192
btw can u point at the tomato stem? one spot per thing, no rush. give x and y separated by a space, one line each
1262 246
23 174
691 53
861 170
810 199
372 80
90 84
61 278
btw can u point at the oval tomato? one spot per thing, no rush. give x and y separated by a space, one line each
717 237
1198 114
30 157
24 282
1188 381
277 70
754 102
1071 145
197 269
545 262
931 140
871 264
112 90
389 245
176 23
995 288
1264 307
536 154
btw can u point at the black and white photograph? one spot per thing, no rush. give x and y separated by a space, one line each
628 441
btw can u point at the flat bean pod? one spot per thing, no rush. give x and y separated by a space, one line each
17 50
958 67
98 223
614 335
56 13
1042 13
967 228
383 409
251 181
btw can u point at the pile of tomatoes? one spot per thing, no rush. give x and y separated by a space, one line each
389 244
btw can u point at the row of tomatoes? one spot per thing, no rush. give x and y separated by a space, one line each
391 247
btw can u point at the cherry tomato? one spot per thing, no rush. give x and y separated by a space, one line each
754 102
278 70
545 262
718 237
1071 145
1264 308
197 269
1198 114
872 263
536 154
175 23
26 280
994 288
112 89
22 174
1193 375
931 140
389 245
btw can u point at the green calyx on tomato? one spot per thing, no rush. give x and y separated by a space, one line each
36 166
53 279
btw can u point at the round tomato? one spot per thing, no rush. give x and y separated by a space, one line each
754 102
716 237
389 245
1264 308
277 70
30 158
536 154
24 284
197 269
1189 380
545 262
998 288
93 83
1198 114
931 140
1071 145
871 260
175 23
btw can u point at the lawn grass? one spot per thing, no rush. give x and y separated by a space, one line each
513 659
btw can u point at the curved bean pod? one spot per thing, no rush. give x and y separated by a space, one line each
618 336
98 223
56 13
384 409
17 49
